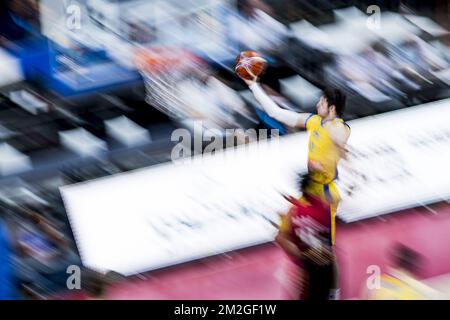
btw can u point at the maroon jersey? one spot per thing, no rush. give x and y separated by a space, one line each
310 223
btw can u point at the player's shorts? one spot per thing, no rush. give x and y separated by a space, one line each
329 193
318 281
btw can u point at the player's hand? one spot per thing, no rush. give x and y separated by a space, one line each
36 218
291 199
250 82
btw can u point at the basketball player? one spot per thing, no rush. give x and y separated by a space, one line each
305 235
96 284
328 135
401 282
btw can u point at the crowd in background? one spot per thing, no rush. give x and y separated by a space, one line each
36 243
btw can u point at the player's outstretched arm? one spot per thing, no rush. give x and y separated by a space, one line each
287 117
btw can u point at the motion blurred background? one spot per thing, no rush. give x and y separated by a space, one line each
92 89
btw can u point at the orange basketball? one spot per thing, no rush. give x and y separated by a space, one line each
160 60
250 64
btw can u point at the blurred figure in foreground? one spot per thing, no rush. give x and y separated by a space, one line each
20 20
95 285
401 282
6 275
42 255
305 235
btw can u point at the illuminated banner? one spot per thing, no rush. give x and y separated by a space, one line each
173 213
401 161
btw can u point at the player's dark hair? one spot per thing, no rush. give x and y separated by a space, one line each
94 283
406 258
337 98
243 7
303 181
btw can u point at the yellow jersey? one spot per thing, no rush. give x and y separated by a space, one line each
322 149
401 287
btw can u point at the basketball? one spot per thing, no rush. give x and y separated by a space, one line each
250 64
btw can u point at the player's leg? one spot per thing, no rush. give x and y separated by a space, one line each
320 279
335 288
332 193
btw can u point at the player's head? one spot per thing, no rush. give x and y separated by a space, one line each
244 7
406 259
94 284
332 102
303 181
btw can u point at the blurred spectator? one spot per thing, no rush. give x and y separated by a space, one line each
20 20
392 69
42 254
20 34
6 274
372 69
417 55
255 28
211 100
